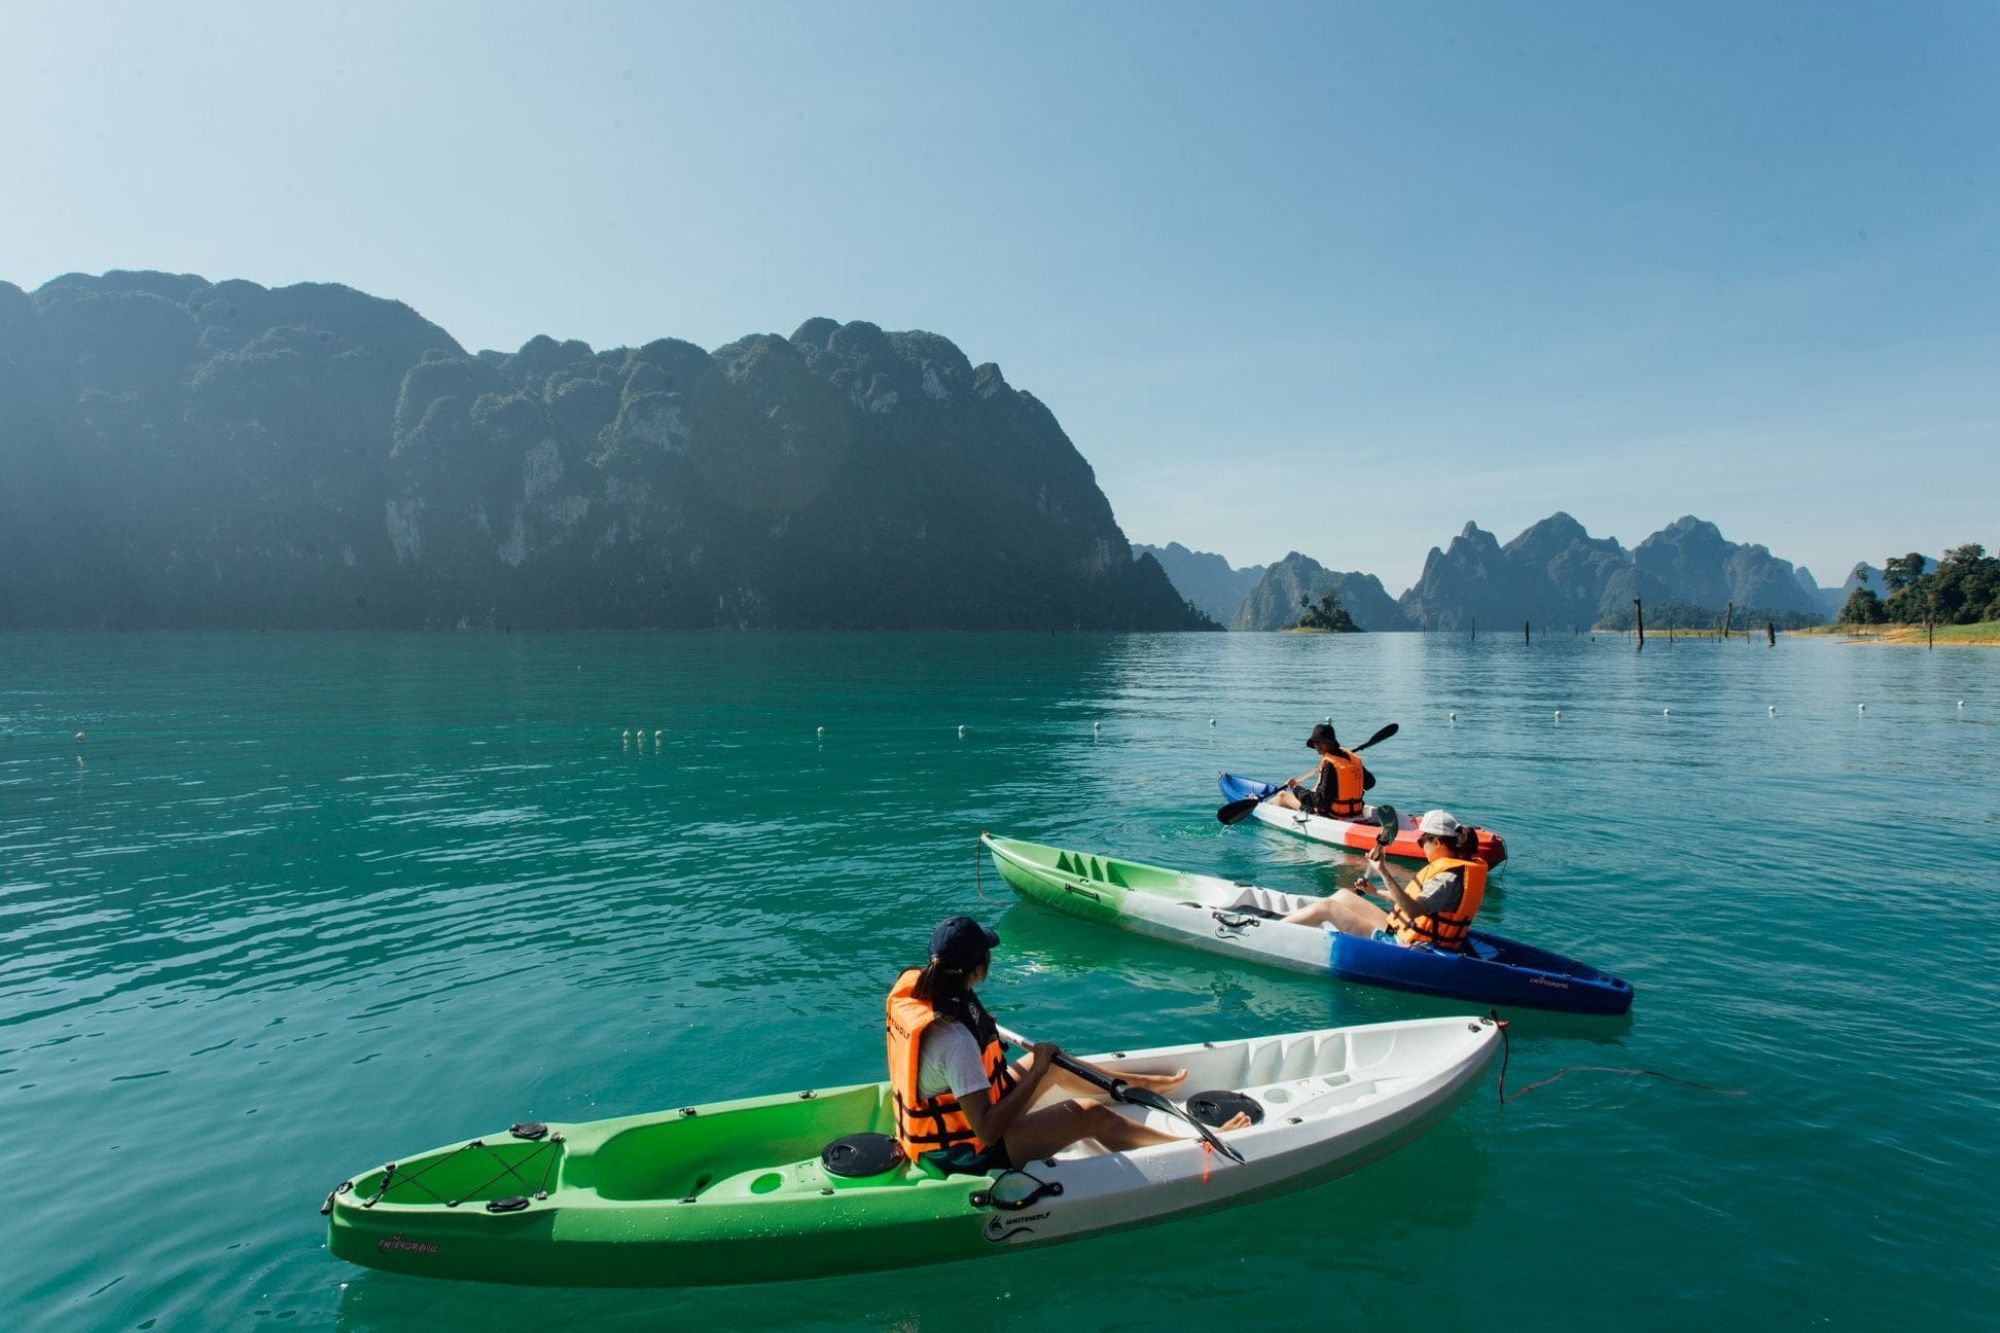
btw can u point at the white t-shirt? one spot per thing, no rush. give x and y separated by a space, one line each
948 1060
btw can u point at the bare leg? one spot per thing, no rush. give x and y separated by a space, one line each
1060 1078
1046 1132
1284 800
1346 911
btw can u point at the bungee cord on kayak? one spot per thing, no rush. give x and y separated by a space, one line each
1507 1051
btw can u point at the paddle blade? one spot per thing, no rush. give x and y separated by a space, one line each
1236 811
1381 735
1391 824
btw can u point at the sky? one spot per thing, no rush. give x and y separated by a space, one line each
1325 277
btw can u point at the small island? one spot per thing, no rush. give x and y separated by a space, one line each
1326 616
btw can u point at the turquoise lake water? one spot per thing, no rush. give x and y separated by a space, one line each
299 904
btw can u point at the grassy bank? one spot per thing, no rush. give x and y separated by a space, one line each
1984 634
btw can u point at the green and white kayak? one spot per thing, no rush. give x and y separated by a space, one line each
774 1188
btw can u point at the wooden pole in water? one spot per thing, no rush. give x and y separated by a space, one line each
1525 636
1639 619
1930 633
1475 629
1728 614
1771 632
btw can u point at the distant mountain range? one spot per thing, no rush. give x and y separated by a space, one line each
179 452
1553 574
1204 578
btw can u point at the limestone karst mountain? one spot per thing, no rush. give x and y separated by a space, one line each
176 452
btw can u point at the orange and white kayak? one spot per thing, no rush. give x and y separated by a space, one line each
1354 835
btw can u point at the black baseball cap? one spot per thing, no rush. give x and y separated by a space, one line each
1322 735
962 942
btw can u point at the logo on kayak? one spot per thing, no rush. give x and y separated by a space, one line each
1548 981
1229 927
396 1242
1002 1229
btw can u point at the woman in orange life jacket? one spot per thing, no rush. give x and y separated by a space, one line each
1342 778
1436 908
954 1091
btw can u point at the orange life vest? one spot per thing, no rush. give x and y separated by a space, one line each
1447 930
931 1124
1340 784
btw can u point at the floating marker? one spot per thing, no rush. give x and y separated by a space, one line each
961 731
1559 714
1666 712
1861 708
656 738
1454 717
1772 710
1961 706
628 733
819 731
1095 725
1211 721
79 735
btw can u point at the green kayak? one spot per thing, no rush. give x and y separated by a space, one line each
805 1184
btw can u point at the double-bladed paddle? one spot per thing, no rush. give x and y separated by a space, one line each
1121 1091
1235 811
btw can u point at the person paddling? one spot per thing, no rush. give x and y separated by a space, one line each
1338 782
1435 908
956 1094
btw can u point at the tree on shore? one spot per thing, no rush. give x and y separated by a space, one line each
1963 589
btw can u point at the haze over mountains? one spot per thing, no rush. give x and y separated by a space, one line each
176 452
1553 574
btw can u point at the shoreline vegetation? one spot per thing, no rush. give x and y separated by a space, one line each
1982 634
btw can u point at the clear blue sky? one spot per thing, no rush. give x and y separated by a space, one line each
1324 277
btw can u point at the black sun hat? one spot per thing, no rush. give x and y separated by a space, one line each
961 942
1322 736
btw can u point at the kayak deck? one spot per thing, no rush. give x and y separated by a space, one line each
738 1191
1243 921
1354 835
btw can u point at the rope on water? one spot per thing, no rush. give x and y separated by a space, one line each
1507 1050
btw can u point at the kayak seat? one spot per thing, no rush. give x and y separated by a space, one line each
959 1160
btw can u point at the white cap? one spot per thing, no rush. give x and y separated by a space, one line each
1439 824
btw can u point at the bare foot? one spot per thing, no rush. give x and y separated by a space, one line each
1241 1120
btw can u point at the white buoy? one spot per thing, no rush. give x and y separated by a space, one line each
961 731
628 735
1961 708
1666 712
1772 710
1211 721
1861 708
1095 725
819 731
1559 714
79 735
1454 717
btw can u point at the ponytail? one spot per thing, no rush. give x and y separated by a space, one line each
948 990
